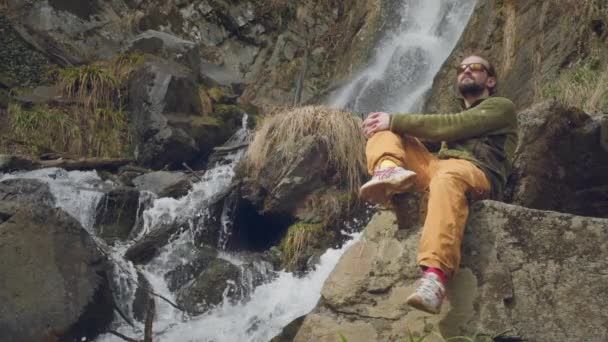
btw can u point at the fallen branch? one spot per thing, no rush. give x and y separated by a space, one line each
86 164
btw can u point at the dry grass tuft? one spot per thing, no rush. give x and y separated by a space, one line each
300 238
280 133
91 86
582 87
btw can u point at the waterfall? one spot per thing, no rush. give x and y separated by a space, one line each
407 59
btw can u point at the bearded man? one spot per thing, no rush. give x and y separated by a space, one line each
474 161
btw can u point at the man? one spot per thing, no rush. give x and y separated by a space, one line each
474 161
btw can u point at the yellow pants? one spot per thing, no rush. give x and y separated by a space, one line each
449 182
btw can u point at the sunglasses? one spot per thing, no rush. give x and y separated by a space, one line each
473 66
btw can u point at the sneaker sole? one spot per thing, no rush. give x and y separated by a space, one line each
416 303
381 192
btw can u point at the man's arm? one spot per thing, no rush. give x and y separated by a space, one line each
490 115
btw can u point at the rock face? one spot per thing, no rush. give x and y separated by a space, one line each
522 269
261 42
560 161
529 43
166 111
54 280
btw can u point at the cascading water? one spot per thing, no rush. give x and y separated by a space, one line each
401 72
406 61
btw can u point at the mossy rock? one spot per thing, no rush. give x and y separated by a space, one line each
207 290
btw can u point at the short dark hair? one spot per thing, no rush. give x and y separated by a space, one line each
490 69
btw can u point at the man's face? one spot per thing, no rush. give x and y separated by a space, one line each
473 82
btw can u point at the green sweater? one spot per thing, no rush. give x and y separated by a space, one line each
485 134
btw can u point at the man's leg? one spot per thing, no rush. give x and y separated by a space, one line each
402 155
447 213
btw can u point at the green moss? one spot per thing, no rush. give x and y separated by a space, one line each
217 94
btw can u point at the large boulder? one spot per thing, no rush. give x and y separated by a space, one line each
54 278
524 272
166 111
560 161
27 191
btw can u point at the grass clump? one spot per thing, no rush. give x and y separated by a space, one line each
44 129
279 136
298 241
91 124
585 87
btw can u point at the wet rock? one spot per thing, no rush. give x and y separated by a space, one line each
167 46
159 181
519 271
147 247
26 191
560 162
143 302
219 279
117 213
205 228
184 273
10 163
54 278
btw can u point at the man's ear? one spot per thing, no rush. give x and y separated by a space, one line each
491 82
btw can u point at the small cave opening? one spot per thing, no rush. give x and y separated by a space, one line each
254 232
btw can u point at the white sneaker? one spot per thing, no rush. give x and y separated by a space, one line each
429 294
386 182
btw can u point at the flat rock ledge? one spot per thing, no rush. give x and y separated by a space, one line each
538 275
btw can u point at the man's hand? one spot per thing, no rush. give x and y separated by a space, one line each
375 122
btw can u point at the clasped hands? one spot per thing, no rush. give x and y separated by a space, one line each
375 122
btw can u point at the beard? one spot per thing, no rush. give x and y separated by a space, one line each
471 89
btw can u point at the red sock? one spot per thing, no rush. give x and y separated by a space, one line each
438 272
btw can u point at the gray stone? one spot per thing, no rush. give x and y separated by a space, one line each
54 278
26 191
523 271
184 273
167 115
167 46
10 163
55 28
560 163
144 301
169 88
208 289
219 75
157 182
